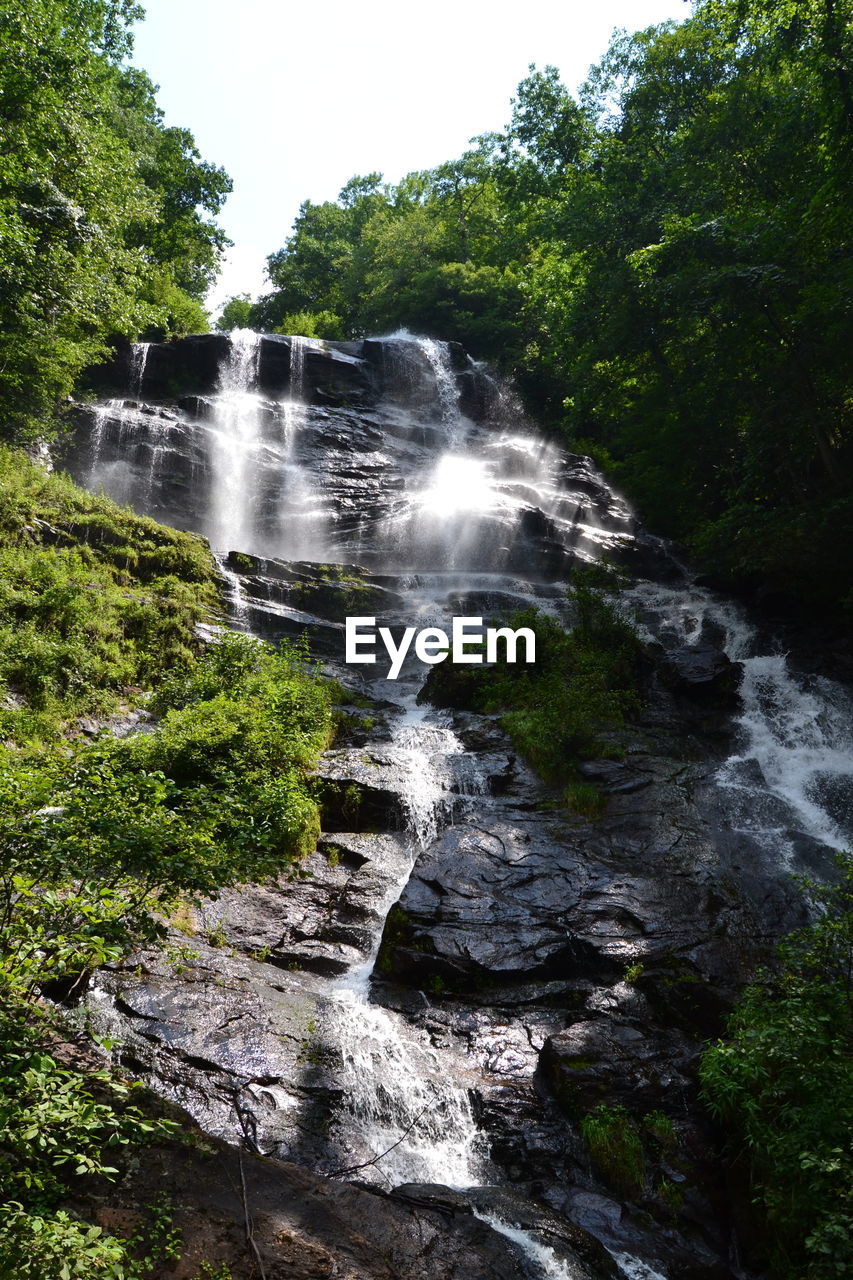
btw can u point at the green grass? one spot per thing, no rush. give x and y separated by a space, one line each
615 1148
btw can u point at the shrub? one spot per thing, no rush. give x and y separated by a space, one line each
782 1083
582 685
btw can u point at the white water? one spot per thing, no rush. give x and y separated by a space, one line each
238 607
138 362
464 510
543 1258
100 414
438 357
635 1268
793 762
235 433
408 1113
302 519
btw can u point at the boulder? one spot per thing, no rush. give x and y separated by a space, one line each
704 673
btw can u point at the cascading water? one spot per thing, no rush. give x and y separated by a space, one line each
124 416
791 774
414 1121
301 513
438 357
387 465
138 362
547 1264
235 432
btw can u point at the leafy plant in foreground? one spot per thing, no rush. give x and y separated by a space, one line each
782 1083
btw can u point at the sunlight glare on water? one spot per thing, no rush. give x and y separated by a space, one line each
458 485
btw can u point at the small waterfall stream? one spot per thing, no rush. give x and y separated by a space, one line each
458 513
791 773
236 436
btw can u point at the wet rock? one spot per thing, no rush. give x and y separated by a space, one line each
305 1227
322 921
604 1059
613 776
509 1212
703 672
363 790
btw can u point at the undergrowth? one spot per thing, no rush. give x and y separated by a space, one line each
570 703
94 601
782 1084
103 840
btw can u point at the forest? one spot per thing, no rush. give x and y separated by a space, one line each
662 264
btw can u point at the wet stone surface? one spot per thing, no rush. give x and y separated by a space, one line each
533 965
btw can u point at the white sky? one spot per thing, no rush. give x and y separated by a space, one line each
293 98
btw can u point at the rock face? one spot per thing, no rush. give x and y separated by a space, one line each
308 1228
466 977
703 671
296 448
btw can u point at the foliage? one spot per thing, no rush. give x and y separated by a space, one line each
93 600
782 1083
93 852
312 324
583 683
236 313
101 225
102 840
615 1148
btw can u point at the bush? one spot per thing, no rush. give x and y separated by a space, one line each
582 685
782 1083
100 841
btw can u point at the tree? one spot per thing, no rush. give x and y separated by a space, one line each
100 229
236 313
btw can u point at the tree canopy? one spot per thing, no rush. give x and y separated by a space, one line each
103 226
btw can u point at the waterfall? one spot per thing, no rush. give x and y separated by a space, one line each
543 1259
235 432
238 608
438 357
301 521
364 454
413 1119
138 361
792 768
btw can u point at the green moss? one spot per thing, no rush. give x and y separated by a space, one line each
351 803
399 929
615 1148
242 563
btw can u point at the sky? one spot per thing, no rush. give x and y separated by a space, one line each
293 98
